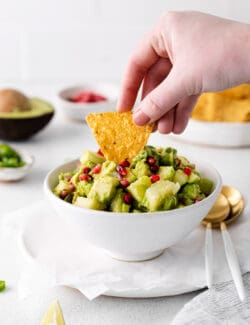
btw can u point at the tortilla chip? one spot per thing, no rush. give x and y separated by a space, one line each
239 92
118 137
231 105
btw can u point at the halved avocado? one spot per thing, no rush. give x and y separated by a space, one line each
19 125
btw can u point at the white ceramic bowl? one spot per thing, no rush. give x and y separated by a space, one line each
8 174
133 236
78 111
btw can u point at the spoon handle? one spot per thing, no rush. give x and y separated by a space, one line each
209 255
233 262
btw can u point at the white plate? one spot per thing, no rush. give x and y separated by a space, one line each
8 174
49 243
222 134
51 230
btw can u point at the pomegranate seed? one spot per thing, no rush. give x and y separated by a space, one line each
100 152
127 198
125 163
155 178
124 182
85 177
187 171
151 161
86 170
97 169
68 178
121 170
72 186
63 194
154 168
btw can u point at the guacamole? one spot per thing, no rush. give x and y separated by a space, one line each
157 179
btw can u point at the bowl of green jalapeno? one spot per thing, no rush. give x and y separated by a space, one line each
14 164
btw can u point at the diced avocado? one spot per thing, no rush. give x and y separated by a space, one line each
166 172
180 205
139 187
183 161
141 169
170 202
64 176
83 188
69 197
191 191
103 189
90 164
168 156
89 156
75 178
108 168
118 204
141 156
62 186
201 197
206 185
89 203
187 201
194 178
176 184
148 151
180 177
131 177
156 194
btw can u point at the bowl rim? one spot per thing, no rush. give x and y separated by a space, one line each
127 215
80 86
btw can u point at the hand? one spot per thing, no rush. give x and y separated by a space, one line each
187 53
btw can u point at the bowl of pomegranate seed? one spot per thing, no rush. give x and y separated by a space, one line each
133 210
77 101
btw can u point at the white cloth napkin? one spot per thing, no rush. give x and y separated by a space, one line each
217 306
54 255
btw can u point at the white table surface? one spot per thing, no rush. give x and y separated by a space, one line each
62 140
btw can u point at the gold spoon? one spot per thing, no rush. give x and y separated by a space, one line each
232 194
227 208
219 211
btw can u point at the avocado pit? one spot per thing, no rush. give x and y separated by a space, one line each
12 100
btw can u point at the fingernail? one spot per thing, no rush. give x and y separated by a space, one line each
140 118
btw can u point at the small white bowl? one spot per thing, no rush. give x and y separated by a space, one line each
132 236
78 111
9 174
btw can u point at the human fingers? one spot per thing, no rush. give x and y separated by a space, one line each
143 57
155 75
166 122
162 99
182 113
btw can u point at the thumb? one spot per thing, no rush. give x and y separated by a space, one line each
161 100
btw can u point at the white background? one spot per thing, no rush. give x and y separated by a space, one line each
45 41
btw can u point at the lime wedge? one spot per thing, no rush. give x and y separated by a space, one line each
54 315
